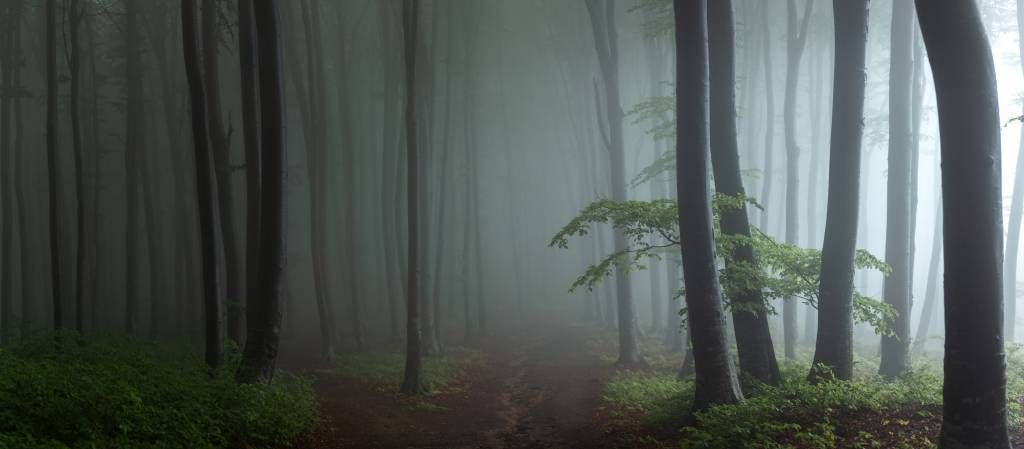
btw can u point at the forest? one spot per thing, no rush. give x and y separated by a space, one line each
484 224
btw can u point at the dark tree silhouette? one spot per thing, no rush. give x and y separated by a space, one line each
834 346
716 381
412 382
974 386
204 185
52 141
250 136
263 313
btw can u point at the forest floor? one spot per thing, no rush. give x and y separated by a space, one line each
536 389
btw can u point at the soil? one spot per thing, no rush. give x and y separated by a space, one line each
533 390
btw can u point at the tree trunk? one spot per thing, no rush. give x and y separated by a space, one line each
974 385
834 344
931 292
769 129
898 206
247 48
412 382
221 149
796 41
204 185
716 381
52 142
606 42
263 315
1016 212
750 318
6 207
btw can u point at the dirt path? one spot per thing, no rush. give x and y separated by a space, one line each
536 390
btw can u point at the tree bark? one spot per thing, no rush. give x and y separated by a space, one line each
52 142
602 20
1016 213
7 90
750 318
263 315
834 345
412 382
204 186
974 385
931 292
898 284
716 381
248 76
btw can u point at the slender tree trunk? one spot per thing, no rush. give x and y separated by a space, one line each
1014 225
7 239
606 41
974 385
931 292
834 345
897 232
413 377
263 315
134 144
769 129
247 48
390 146
52 142
19 188
753 339
221 148
716 381
204 185
74 67
796 41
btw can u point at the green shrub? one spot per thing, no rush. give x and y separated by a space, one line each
387 368
111 392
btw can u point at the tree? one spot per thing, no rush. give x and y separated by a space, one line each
247 48
834 345
204 185
263 314
796 40
716 381
74 67
1016 213
412 382
52 142
898 254
602 20
974 385
7 62
221 149
753 340
931 294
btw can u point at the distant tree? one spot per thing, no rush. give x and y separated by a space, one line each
974 384
932 285
606 42
7 89
796 41
52 142
1016 213
204 186
898 285
247 49
264 310
412 382
834 346
134 144
753 339
716 381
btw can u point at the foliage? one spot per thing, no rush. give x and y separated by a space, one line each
107 392
386 368
782 270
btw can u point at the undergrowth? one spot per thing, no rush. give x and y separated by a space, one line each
111 392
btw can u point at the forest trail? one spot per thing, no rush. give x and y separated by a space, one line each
537 389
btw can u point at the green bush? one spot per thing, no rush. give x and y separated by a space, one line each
387 368
111 392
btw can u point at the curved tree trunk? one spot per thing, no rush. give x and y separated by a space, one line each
834 344
716 381
750 318
974 385
898 284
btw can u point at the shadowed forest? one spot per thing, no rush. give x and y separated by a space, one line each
470 224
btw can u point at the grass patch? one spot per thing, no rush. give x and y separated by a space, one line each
387 368
111 392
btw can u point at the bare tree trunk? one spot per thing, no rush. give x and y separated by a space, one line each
413 377
750 318
52 142
974 385
898 284
74 67
247 48
264 312
204 185
1013 227
834 345
931 292
716 381
7 90
769 129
